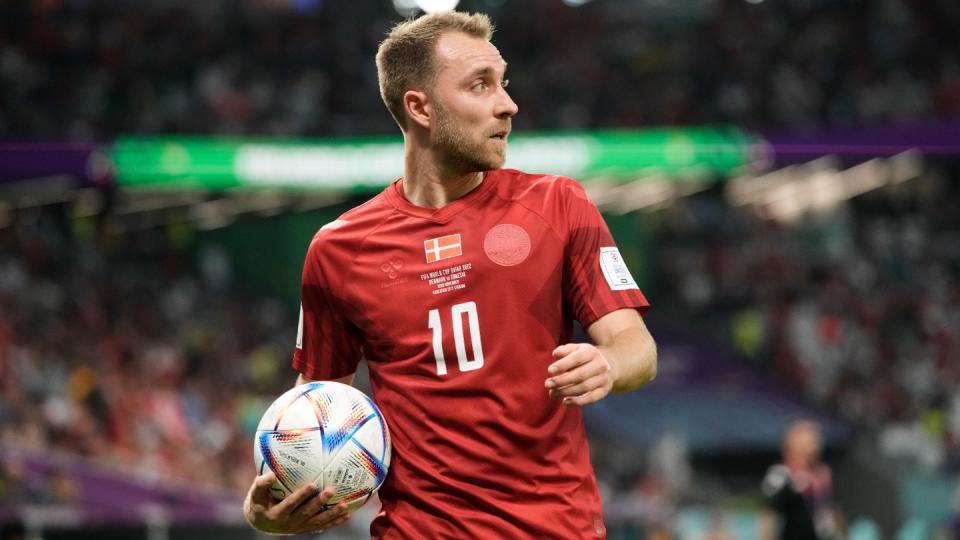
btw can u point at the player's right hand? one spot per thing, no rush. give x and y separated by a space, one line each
298 513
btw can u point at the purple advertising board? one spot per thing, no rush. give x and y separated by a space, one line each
84 162
933 140
100 493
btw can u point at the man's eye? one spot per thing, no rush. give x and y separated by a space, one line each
479 87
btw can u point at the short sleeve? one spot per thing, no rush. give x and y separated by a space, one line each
328 344
596 279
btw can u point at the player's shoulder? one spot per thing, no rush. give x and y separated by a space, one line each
350 228
520 185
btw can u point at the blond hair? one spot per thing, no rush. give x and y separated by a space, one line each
406 58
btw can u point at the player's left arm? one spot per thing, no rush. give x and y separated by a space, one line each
622 358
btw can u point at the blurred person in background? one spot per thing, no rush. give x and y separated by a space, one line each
799 491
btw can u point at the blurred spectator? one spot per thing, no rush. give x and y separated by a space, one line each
799 491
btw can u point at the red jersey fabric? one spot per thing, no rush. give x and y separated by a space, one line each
457 311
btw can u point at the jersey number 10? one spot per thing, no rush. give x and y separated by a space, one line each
463 360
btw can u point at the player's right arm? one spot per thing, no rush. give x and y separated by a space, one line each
296 514
327 349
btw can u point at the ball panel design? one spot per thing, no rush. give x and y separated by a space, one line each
327 433
295 456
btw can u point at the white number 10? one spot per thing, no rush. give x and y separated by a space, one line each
463 361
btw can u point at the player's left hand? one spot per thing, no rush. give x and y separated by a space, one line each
580 374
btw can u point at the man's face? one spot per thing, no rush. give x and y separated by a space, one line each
472 110
803 442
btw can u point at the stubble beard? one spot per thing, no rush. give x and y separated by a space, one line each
457 152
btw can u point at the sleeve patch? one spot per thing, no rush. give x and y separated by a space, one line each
615 270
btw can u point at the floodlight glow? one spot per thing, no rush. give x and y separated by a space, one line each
431 6
575 3
405 7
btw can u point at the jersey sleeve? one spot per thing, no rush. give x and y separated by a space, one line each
596 279
328 344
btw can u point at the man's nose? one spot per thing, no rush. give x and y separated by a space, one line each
505 107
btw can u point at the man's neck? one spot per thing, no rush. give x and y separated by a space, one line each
426 184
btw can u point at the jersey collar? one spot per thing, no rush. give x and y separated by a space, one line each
396 198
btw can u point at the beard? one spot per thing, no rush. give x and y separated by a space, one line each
458 152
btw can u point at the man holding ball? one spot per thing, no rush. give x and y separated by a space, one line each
460 284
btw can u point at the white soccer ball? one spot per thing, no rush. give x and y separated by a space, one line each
328 433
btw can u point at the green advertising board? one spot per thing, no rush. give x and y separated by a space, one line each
363 164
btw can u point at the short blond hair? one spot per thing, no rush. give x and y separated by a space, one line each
406 58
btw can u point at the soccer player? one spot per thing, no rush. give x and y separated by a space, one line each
459 284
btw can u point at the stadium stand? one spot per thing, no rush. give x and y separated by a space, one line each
80 70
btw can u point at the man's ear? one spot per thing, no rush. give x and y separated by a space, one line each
418 107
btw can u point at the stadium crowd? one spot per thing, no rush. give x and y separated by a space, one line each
129 353
92 69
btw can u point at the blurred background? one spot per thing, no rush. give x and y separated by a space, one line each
782 176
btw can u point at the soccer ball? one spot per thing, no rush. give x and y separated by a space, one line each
328 433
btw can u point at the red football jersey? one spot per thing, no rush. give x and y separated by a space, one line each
457 311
